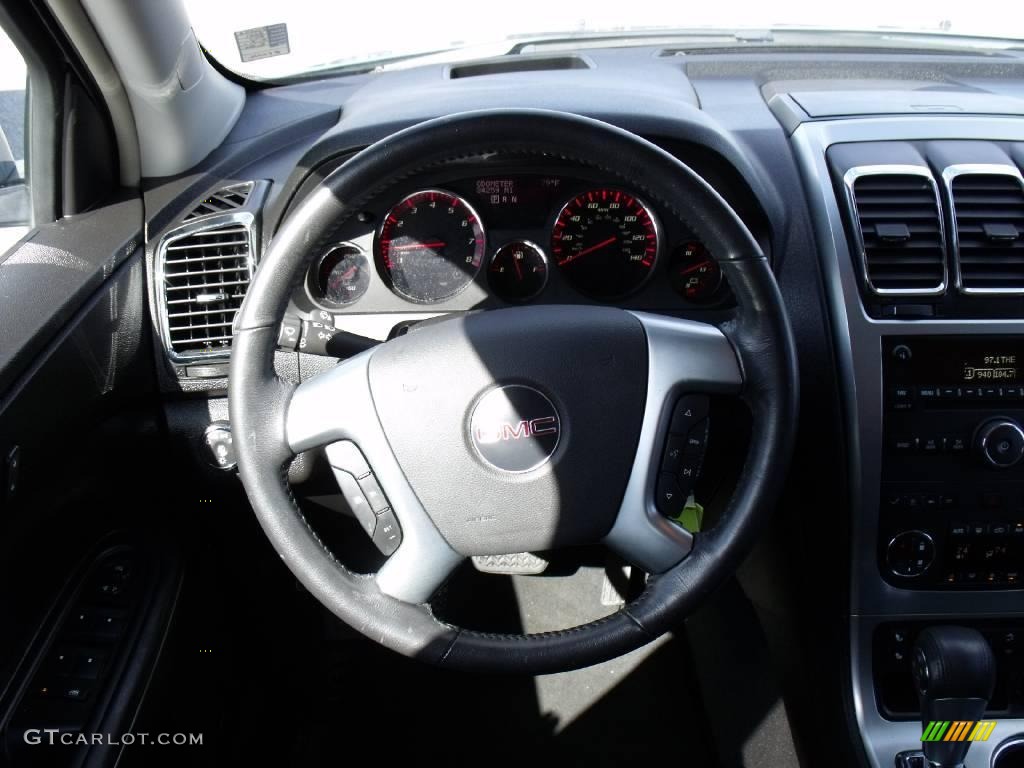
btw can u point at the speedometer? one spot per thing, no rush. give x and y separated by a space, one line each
605 242
430 246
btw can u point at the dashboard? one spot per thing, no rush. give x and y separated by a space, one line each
836 190
500 234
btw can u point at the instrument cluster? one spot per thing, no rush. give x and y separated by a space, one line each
513 238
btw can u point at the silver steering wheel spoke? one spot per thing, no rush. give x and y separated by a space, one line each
684 357
335 410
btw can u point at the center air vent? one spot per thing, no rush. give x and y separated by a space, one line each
987 208
222 201
205 269
897 225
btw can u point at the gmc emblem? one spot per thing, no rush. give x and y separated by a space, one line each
545 425
514 428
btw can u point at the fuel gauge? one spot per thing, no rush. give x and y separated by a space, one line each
518 271
694 274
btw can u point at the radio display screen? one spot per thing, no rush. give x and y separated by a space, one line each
955 360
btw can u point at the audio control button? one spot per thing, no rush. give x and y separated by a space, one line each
1000 442
689 410
904 444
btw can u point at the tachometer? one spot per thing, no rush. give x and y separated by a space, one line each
431 246
605 242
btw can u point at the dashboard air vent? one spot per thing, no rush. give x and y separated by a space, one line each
898 229
205 269
987 209
222 201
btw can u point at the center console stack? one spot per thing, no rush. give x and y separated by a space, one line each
951 511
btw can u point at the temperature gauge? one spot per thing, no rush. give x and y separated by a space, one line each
695 275
518 271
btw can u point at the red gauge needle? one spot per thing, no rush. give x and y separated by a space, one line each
519 269
694 268
585 251
415 246
348 273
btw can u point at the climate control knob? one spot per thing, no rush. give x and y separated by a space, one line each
1000 442
910 553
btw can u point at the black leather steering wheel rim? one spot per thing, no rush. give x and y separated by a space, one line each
759 333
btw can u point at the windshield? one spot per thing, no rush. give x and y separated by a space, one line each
273 39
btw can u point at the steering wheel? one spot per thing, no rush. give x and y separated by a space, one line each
514 430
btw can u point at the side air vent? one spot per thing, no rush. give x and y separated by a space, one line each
987 209
222 201
897 226
204 271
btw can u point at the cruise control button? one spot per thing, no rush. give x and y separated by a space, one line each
388 535
373 493
668 495
356 501
346 455
674 448
688 411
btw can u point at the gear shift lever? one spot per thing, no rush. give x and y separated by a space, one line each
955 674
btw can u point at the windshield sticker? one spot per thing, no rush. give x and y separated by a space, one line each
262 42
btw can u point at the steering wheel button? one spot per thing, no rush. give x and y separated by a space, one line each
388 535
345 455
697 439
356 501
690 410
373 493
673 456
669 497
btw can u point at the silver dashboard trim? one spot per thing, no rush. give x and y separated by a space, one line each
683 356
337 405
949 174
850 179
857 341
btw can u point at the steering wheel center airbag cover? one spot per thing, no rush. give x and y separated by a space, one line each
580 372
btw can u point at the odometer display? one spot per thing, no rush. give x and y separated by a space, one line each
605 242
430 246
